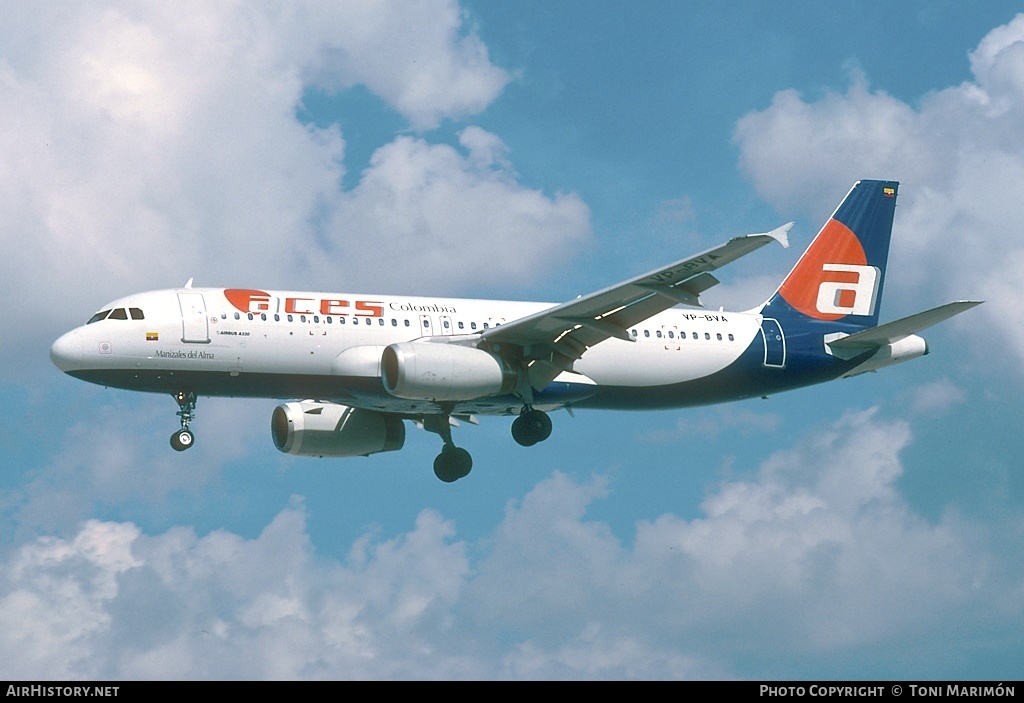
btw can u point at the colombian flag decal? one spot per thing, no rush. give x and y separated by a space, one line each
152 336
889 192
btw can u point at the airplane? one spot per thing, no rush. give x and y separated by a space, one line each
361 365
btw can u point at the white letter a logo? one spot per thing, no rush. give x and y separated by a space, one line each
849 298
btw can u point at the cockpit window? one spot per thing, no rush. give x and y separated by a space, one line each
118 314
101 315
136 313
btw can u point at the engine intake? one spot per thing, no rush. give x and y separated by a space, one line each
439 371
309 428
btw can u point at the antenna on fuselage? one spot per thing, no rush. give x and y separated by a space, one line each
188 283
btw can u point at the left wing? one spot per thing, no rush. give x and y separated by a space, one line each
552 340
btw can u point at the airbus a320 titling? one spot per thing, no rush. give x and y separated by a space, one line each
356 367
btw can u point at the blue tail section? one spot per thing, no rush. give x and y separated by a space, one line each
841 275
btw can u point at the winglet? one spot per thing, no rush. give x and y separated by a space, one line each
781 234
188 283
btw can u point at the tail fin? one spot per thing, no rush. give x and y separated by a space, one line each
840 276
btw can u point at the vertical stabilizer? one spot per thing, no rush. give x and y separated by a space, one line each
841 275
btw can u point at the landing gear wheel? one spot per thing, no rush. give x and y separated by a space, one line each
452 463
531 427
182 440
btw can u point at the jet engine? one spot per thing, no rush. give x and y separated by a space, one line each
440 371
309 428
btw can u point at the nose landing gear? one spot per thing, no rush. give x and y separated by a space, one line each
183 438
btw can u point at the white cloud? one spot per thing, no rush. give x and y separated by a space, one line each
54 605
417 55
958 156
120 454
936 396
146 144
441 219
813 556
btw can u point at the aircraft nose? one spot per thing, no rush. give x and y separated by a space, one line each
66 352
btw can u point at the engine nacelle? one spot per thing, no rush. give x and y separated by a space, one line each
310 428
910 347
439 371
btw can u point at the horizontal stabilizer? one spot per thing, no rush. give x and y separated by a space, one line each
892 332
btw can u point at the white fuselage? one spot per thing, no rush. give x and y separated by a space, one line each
287 344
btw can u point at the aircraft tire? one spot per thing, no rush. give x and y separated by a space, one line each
452 464
531 427
521 433
182 440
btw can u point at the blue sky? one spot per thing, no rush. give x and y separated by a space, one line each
869 528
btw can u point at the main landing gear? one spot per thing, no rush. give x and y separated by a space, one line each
183 438
532 426
453 462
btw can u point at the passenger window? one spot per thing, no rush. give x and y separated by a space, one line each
223 316
102 315
291 319
237 316
647 333
719 336
330 320
136 313
446 324
671 334
658 333
341 320
707 335
394 322
119 314
462 326
406 323
263 316
633 332
277 318
695 335
380 321
250 315
731 338
472 325
486 326
302 318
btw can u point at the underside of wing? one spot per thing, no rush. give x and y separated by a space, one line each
549 342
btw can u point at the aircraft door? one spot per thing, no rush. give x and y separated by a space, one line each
774 343
195 328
